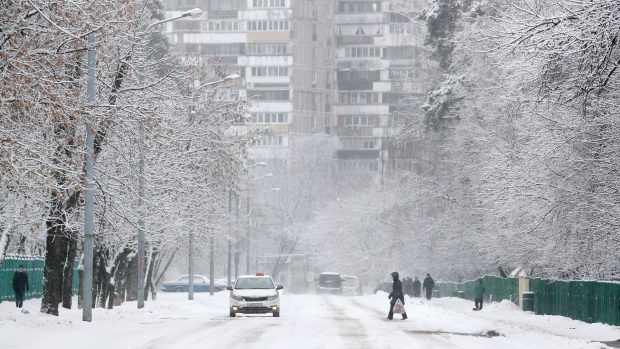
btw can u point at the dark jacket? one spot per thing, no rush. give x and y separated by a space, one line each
479 290
428 283
397 291
417 285
20 282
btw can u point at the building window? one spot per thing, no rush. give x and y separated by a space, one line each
268 3
359 6
400 52
269 118
359 97
269 71
268 49
271 140
225 26
269 95
358 143
359 75
222 49
401 28
362 52
258 26
186 26
359 120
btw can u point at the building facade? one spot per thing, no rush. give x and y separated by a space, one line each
346 68
381 78
283 51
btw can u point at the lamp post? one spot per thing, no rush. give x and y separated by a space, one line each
190 293
194 13
89 196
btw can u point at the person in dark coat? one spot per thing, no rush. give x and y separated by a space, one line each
417 286
478 294
428 285
408 286
20 285
397 293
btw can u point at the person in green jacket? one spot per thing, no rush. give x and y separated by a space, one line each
478 294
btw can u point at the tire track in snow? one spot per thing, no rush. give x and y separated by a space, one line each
350 329
407 328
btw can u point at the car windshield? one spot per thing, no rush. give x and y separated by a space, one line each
254 283
329 280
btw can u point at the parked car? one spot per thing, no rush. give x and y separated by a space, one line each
254 294
329 282
201 284
351 285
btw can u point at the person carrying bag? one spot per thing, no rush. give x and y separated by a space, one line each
395 297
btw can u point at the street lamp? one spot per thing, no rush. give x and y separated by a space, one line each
194 13
89 196
192 112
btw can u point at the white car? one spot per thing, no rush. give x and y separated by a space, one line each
254 294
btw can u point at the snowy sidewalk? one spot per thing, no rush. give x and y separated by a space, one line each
307 321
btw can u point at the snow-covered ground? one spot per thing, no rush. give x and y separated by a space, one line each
307 321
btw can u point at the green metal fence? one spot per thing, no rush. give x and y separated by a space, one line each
497 288
589 301
34 267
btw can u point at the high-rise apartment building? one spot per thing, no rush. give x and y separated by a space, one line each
283 51
380 76
340 67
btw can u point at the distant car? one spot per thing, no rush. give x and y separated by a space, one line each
254 294
329 282
351 285
384 286
201 284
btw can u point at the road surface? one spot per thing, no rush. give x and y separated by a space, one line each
307 321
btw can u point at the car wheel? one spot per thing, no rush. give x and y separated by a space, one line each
178 289
276 313
232 313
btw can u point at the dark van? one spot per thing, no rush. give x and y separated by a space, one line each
330 283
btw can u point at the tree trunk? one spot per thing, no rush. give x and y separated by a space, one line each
149 275
166 266
80 288
55 257
120 279
67 291
103 278
132 280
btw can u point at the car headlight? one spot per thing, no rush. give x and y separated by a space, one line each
235 297
272 298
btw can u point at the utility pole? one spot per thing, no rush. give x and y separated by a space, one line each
247 243
141 221
212 264
89 198
237 247
190 292
229 260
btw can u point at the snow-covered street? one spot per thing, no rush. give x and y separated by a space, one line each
307 321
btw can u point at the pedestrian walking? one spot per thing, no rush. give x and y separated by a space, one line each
20 285
478 294
408 286
397 294
428 285
417 286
